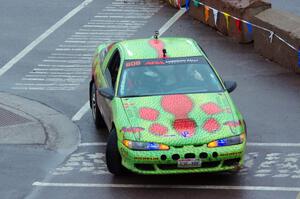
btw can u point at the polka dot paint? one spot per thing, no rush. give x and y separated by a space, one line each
211 125
211 108
148 114
158 129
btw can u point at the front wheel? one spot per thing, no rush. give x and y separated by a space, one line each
99 122
113 157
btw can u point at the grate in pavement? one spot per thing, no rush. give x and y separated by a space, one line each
8 118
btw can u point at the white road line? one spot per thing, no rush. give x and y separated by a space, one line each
102 21
154 186
164 28
33 44
122 17
248 144
274 144
81 112
171 21
92 144
71 54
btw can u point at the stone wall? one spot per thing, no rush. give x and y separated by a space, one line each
286 26
242 9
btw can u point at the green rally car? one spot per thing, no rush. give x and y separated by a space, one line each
166 108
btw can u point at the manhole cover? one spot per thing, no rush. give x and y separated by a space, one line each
8 118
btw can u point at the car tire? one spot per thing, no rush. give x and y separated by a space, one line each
113 157
98 119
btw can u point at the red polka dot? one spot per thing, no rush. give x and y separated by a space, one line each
211 125
186 127
158 129
178 105
233 123
148 114
211 108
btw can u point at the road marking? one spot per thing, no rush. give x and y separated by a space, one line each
92 144
153 186
274 144
84 41
163 29
248 144
33 44
171 21
81 112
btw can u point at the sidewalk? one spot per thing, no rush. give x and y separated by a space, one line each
24 121
292 6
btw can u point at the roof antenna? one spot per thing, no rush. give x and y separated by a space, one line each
164 53
156 34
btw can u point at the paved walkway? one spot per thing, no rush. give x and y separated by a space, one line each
291 6
23 121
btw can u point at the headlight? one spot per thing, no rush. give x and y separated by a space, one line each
227 141
144 146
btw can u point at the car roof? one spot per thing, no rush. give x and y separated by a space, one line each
153 48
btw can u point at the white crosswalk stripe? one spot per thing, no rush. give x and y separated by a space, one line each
69 66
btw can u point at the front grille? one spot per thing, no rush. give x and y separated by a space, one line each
167 166
189 155
210 164
231 162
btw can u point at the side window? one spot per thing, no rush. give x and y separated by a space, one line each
102 56
113 68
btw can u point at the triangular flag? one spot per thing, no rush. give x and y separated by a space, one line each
250 29
187 4
238 24
271 36
227 20
215 16
206 13
196 3
178 4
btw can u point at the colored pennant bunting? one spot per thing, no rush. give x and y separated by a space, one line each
196 3
250 28
238 24
215 12
206 13
271 36
227 20
187 4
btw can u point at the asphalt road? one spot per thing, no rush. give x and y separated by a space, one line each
56 73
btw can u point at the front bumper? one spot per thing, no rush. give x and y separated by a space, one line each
165 162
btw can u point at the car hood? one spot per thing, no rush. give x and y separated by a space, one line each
180 119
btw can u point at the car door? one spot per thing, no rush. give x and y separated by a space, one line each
109 70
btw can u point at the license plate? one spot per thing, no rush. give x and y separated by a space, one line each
188 163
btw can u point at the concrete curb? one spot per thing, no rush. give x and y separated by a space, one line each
287 26
46 126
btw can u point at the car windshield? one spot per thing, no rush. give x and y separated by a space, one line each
167 76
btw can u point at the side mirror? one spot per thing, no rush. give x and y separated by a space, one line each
107 92
230 85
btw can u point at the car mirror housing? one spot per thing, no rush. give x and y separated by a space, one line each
230 85
107 92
